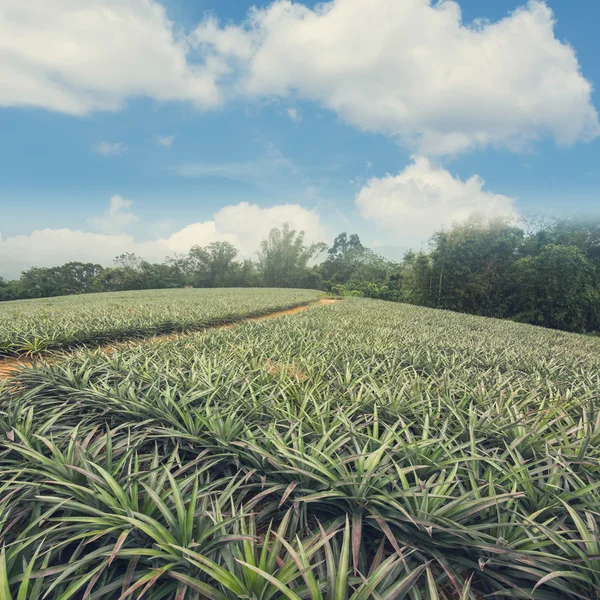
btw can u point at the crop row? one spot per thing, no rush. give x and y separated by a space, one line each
28 327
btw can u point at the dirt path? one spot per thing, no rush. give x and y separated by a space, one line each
9 365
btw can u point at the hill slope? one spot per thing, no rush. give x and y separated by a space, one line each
397 452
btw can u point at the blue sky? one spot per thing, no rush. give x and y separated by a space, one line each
382 117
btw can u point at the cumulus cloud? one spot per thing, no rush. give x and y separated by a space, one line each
116 218
250 223
244 225
75 57
413 69
109 148
423 198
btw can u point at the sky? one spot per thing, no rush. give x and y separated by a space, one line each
150 126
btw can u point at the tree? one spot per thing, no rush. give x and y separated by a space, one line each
284 256
417 279
8 290
127 274
128 260
212 265
133 273
583 233
353 269
343 260
344 244
469 263
77 277
70 278
557 288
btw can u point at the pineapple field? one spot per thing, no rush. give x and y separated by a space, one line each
354 451
28 327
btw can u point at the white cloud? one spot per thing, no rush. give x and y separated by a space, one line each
250 223
109 148
75 57
116 218
413 69
166 141
407 68
423 198
293 114
244 225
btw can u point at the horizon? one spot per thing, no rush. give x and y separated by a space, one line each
149 127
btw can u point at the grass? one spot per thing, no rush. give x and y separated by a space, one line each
30 327
364 450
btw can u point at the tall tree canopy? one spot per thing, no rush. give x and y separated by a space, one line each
284 256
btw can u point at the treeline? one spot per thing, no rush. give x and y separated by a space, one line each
284 260
547 274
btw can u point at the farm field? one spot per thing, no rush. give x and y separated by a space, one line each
362 450
32 326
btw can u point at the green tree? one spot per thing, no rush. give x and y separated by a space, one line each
583 233
469 263
8 290
133 273
557 288
127 274
284 256
77 277
344 257
213 265
351 268
417 279
244 274
70 278
344 244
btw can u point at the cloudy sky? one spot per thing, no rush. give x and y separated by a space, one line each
152 125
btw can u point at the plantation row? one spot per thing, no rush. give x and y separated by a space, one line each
356 451
32 326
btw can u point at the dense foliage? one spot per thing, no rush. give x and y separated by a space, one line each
549 276
365 450
33 326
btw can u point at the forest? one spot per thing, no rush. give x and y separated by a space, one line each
543 272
